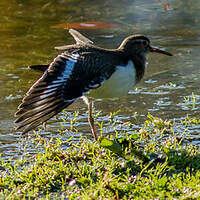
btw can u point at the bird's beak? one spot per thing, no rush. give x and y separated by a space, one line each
153 49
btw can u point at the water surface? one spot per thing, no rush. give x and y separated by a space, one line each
167 90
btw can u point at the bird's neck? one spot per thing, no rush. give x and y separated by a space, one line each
139 61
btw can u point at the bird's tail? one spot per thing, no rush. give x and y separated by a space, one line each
40 68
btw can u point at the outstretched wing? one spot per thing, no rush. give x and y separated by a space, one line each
80 40
68 77
78 37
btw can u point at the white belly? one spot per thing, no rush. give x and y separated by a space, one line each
119 84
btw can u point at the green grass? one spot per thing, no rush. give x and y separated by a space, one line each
153 163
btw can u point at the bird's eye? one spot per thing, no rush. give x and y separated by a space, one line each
145 43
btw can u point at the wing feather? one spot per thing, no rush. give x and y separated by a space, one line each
78 37
36 121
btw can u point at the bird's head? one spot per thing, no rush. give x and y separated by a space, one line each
139 44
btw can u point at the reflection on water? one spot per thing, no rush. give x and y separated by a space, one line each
27 37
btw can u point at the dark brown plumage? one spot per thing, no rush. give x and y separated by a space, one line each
81 68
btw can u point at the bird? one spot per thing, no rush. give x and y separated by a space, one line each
83 70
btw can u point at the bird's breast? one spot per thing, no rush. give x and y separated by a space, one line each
119 84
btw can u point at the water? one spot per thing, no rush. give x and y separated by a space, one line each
167 90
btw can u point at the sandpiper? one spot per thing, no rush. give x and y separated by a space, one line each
83 69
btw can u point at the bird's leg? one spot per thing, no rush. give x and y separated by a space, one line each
90 117
44 124
91 120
